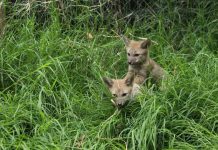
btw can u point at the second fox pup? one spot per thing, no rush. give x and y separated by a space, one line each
140 64
2 18
122 90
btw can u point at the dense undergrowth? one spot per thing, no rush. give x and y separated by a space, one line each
53 56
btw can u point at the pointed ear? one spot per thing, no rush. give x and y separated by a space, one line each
109 82
125 40
129 80
145 44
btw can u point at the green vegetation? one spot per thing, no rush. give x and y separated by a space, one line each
52 95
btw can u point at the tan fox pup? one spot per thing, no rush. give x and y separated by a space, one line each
122 90
2 18
140 64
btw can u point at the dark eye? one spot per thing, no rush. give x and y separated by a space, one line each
114 95
128 54
124 94
136 55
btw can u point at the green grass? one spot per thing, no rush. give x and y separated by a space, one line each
52 95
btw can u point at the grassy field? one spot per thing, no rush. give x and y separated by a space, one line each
52 95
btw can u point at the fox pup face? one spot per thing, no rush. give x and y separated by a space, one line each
137 51
121 90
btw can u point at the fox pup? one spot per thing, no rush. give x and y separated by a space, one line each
140 64
122 90
2 18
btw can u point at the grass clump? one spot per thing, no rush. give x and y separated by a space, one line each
51 92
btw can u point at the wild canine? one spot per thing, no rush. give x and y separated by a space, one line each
140 64
2 18
122 90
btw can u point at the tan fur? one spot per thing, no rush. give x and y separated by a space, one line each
122 90
2 18
140 64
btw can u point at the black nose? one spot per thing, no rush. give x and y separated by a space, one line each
130 62
119 105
